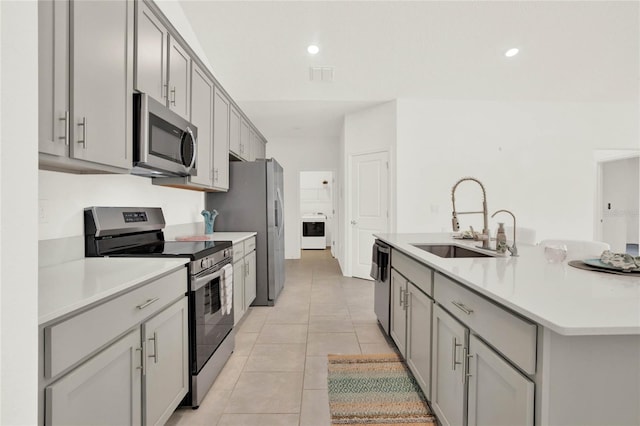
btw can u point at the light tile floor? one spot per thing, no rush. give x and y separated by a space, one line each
278 372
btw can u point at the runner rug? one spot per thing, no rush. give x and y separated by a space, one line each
375 390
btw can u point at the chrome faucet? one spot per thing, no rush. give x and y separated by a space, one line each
513 249
485 214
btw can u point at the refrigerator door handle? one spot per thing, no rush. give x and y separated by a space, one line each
279 206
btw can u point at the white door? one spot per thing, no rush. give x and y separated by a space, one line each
369 207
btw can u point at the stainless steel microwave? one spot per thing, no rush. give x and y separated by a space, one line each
164 144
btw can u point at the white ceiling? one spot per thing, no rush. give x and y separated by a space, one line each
382 50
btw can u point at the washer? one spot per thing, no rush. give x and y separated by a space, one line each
313 231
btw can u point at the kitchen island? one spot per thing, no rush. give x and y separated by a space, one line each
516 340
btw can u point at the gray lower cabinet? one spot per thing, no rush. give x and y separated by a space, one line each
123 361
85 102
166 376
244 277
418 353
448 382
105 390
494 383
398 325
221 134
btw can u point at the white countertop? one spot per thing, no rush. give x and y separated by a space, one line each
234 237
70 286
565 299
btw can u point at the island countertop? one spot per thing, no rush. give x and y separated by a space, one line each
565 299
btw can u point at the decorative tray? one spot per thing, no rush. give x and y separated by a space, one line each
597 266
600 264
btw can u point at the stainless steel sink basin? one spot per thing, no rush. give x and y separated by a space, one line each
450 250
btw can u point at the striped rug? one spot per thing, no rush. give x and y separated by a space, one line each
375 390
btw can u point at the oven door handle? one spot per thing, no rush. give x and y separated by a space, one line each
201 281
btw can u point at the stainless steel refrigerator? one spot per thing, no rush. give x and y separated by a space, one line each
255 202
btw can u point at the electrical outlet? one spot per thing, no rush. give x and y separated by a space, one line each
43 210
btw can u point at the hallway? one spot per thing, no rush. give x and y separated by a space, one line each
278 372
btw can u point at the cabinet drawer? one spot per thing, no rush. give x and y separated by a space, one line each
418 274
511 335
249 245
70 341
238 251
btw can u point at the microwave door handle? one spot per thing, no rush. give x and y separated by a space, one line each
193 146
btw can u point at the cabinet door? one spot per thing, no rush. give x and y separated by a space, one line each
398 326
448 384
249 279
238 290
179 70
102 81
166 379
498 393
221 112
251 146
103 391
418 355
245 136
53 77
202 91
234 131
151 54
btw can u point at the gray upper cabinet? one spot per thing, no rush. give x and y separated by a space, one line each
234 131
202 93
245 139
53 77
259 148
179 69
85 103
101 113
151 54
221 135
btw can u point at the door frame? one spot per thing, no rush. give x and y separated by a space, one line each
348 237
602 156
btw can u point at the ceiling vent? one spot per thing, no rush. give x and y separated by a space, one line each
321 74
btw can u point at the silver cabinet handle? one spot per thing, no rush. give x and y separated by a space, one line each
465 364
148 302
66 128
401 297
454 350
84 132
173 96
463 308
353 222
164 90
215 174
246 270
407 300
155 348
141 366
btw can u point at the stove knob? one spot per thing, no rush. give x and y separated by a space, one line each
203 263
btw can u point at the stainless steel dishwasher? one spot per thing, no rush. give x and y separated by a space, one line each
380 264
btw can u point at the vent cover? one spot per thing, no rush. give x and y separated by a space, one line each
321 74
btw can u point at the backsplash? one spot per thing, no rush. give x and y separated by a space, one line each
62 198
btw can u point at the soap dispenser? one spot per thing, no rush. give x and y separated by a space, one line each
501 239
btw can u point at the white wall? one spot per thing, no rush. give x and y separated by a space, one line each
18 213
535 159
63 197
369 130
296 155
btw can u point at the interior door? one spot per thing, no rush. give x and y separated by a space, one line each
369 207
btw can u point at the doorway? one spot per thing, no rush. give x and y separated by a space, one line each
617 204
368 207
317 210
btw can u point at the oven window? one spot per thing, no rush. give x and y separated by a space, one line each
210 326
313 229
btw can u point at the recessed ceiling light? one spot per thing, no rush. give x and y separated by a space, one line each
313 49
511 52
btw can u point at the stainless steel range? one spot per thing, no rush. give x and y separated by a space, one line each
137 232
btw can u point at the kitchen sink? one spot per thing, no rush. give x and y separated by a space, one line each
450 250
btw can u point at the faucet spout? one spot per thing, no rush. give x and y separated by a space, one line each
513 249
485 213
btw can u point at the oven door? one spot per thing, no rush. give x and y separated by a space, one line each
313 229
165 143
210 322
